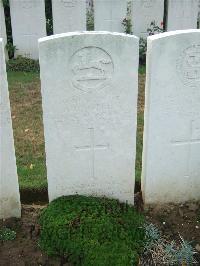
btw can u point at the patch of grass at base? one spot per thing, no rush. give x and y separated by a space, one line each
92 231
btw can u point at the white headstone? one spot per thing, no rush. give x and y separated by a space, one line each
69 15
144 12
9 189
2 24
182 14
28 25
199 14
171 157
109 15
90 113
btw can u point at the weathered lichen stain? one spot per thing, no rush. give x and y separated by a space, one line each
9 207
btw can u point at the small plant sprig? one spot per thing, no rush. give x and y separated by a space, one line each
7 234
127 26
90 20
155 29
11 49
127 23
159 251
5 3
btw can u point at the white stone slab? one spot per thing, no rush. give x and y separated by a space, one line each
199 13
109 15
143 13
90 113
182 14
28 25
2 24
171 157
9 189
69 15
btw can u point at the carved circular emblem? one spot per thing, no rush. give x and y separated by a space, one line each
188 66
147 3
91 68
69 3
27 3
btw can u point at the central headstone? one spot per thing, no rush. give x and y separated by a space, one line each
28 25
90 113
109 15
68 15
9 188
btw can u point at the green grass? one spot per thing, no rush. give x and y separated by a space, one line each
26 108
21 77
92 231
142 69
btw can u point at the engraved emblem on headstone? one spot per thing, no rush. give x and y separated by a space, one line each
91 68
147 3
188 66
69 3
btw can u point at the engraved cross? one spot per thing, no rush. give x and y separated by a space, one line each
188 142
92 148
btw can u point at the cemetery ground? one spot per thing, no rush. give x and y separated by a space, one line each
173 221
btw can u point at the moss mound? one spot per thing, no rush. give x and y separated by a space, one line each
92 231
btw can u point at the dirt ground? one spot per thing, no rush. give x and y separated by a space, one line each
24 250
183 220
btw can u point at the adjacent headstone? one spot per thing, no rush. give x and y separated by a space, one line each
2 24
171 157
69 15
144 12
199 14
9 189
90 113
28 25
182 14
109 15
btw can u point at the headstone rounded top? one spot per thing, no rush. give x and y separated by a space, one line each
84 33
172 33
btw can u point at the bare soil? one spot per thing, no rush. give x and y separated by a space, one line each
24 250
172 220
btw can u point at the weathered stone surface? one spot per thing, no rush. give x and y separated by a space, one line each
171 156
28 25
68 15
2 24
143 13
109 15
9 189
90 108
182 14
